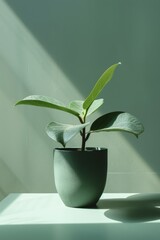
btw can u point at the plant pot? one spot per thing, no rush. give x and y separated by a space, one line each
80 176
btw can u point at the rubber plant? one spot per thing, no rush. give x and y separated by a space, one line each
113 121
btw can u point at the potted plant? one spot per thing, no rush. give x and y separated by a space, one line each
80 173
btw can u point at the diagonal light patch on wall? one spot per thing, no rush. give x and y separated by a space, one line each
29 69
25 68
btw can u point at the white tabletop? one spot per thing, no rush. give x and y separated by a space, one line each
44 216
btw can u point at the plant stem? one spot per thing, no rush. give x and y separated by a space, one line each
83 139
87 136
83 134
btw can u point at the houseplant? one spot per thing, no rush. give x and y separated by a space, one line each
80 173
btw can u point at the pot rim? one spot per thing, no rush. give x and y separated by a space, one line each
74 149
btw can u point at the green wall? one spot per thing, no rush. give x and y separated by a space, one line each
59 48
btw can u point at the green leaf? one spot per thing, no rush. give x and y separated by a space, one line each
100 84
94 106
62 133
77 105
44 101
117 121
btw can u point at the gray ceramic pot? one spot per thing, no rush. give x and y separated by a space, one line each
80 176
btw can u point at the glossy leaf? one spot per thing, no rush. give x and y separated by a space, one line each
78 106
100 84
62 133
94 106
118 121
43 101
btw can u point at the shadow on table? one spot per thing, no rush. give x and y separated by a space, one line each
136 208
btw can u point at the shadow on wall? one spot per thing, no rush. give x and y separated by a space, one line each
84 37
